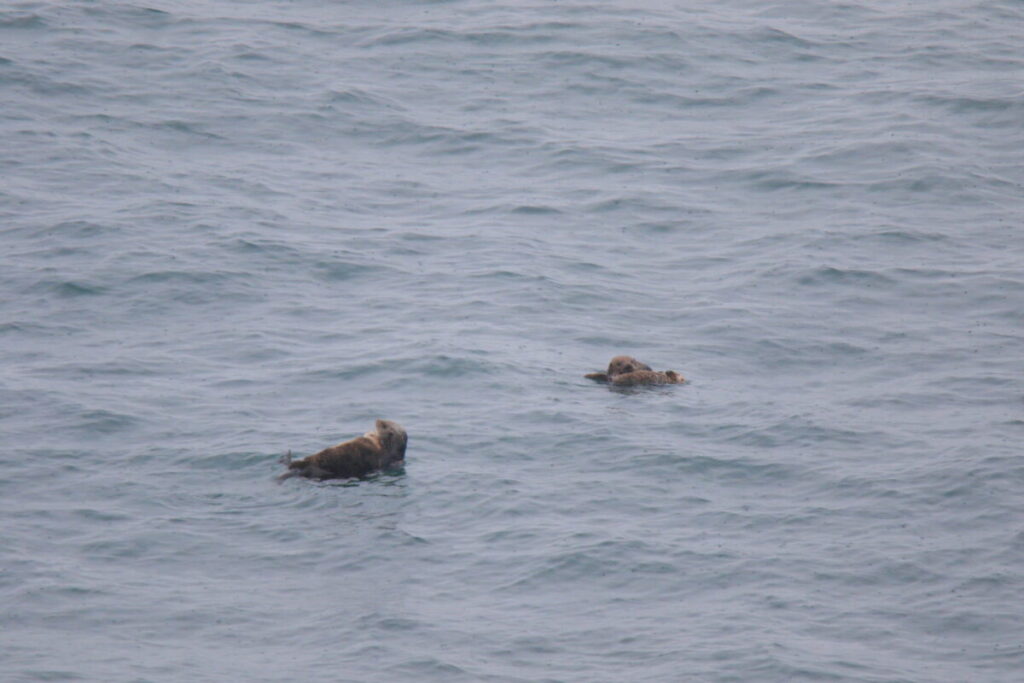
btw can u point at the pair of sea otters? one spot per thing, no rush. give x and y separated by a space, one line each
384 448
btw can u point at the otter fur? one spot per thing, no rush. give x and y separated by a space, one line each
376 450
626 371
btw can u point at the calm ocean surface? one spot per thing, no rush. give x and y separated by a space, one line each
233 228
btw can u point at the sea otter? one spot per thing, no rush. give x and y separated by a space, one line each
626 371
377 450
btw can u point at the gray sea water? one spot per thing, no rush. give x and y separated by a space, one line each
233 228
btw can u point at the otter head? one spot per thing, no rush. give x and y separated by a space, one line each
620 365
392 439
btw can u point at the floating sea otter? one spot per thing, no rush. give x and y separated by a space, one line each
368 453
626 371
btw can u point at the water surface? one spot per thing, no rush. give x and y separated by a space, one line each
231 229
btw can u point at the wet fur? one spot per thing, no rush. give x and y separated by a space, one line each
359 457
626 371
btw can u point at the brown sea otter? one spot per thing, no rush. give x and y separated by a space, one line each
626 371
377 450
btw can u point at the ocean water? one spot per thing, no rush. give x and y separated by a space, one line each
230 229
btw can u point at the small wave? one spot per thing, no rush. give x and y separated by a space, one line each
429 668
559 59
489 37
536 210
76 289
35 328
121 548
731 469
908 236
774 181
451 367
13 20
106 422
969 105
922 181
770 34
409 35
249 55
188 128
270 247
829 275
337 271
149 17
360 97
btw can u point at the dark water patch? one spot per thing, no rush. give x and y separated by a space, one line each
340 271
246 54
573 59
37 674
307 28
535 210
122 549
431 666
714 468
272 250
65 455
420 237
451 367
918 182
339 371
361 97
885 155
830 275
21 20
51 87
442 141
84 230
798 432
748 96
476 210
189 129
662 227
583 267
35 329
181 277
72 290
604 559
69 254
122 367
925 274
133 16
969 105
779 180
906 236
427 37
776 359
612 205
106 422
91 515
768 34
